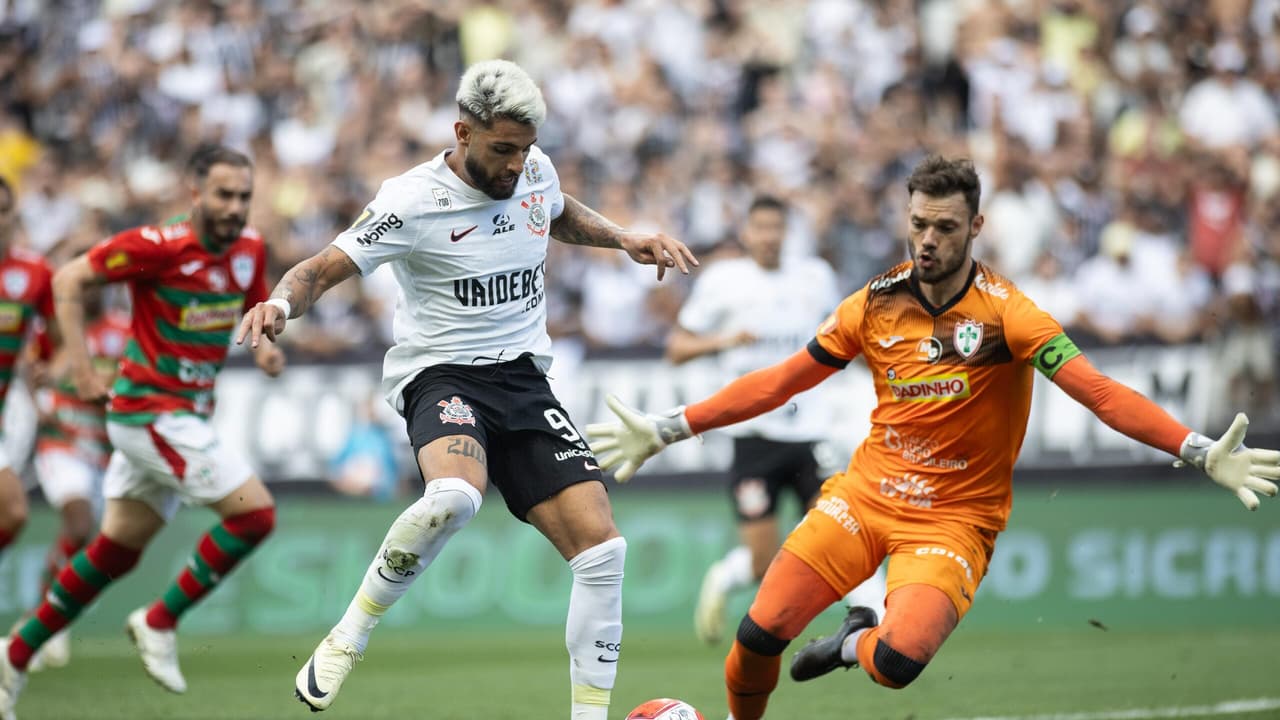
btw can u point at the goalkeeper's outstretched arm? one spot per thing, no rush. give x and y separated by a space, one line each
1244 471
637 436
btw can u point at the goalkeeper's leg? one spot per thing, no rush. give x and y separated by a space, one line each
790 596
934 573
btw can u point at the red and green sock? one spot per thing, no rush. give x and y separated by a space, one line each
216 554
76 585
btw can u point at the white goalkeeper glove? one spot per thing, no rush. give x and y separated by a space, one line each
636 438
1244 471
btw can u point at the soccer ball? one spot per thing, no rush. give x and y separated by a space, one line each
665 709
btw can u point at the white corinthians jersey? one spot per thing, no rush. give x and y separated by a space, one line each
471 269
782 308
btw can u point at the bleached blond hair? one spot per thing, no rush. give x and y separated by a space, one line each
501 89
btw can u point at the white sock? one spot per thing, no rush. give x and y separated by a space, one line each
735 570
413 541
849 648
593 630
869 594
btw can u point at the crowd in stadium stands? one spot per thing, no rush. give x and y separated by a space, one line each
1130 149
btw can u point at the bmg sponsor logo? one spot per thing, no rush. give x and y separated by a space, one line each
375 229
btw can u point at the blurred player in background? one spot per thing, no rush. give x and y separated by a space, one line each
189 279
72 448
952 347
25 293
466 235
752 312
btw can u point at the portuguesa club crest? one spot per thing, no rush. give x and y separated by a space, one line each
967 338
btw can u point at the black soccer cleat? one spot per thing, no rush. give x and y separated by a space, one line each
822 655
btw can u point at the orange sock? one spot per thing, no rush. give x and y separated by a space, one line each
749 678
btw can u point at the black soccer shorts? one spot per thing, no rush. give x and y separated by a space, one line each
763 468
533 449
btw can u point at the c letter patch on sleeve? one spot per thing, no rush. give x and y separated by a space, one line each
1051 356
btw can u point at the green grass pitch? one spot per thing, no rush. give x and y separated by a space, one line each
522 675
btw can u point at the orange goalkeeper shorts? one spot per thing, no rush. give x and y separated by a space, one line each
850 531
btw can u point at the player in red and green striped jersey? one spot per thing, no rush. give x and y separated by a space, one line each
24 294
72 448
189 279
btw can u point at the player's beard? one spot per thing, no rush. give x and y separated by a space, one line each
941 271
225 230
486 183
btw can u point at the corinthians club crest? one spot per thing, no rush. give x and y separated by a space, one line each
967 338
537 214
456 412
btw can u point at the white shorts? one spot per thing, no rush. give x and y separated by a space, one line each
18 427
175 459
64 475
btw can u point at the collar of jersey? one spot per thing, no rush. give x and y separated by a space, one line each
936 311
209 246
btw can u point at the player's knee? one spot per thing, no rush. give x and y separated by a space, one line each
13 518
450 503
253 525
760 640
78 534
894 669
601 564
77 521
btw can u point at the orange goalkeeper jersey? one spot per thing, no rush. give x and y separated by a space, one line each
953 385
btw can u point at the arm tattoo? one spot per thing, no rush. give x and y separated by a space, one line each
306 281
467 448
580 225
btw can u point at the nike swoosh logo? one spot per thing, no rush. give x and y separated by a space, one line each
890 341
455 236
311 680
384 577
607 660
589 466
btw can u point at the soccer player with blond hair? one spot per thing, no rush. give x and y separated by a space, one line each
466 235
952 347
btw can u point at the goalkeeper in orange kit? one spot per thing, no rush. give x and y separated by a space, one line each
951 346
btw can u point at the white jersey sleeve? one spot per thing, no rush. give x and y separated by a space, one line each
827 284
708 307
388 229
555 196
